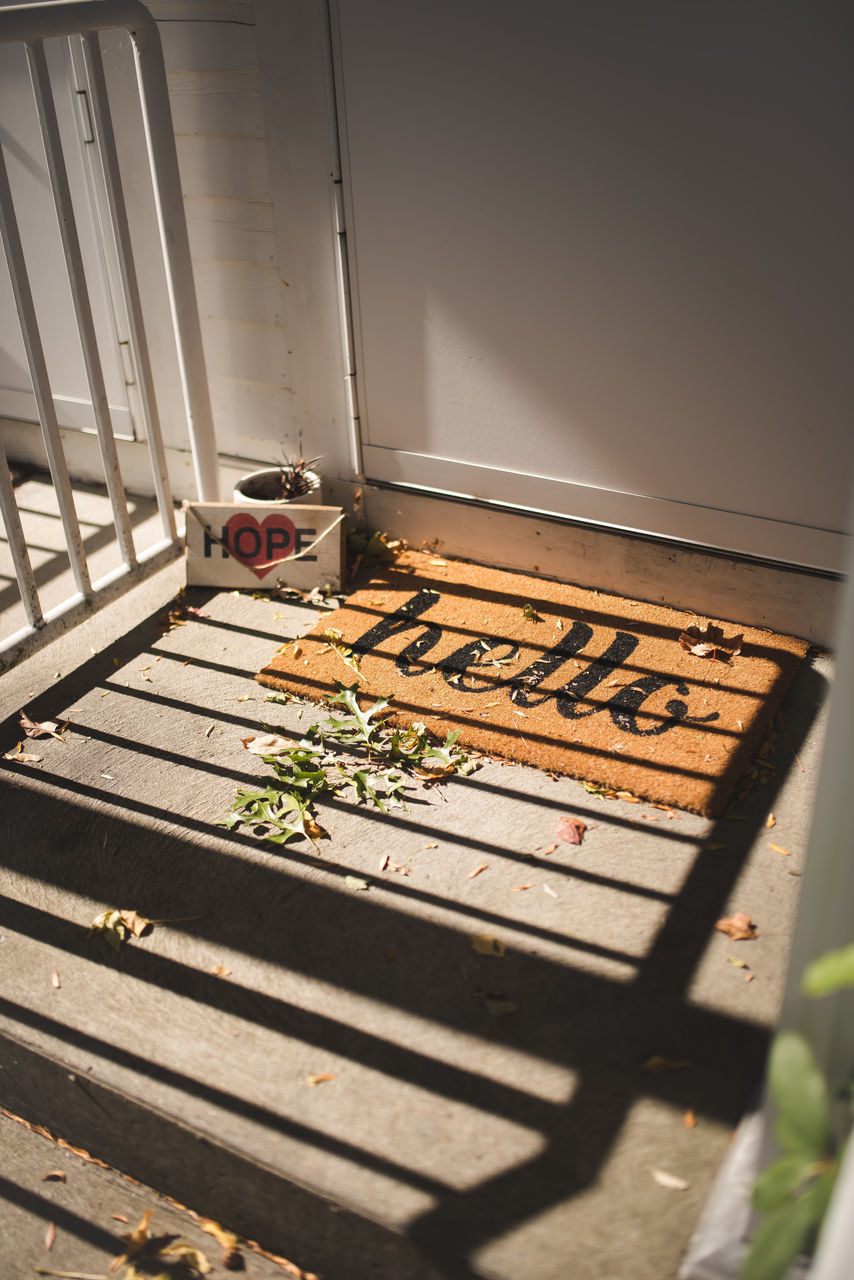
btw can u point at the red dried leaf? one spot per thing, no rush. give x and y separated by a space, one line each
571 830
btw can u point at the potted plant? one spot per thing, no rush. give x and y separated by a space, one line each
291 481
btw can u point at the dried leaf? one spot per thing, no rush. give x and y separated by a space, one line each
657 1065
571 830
50 1235
55 1175
356 883
787 853
313 829
227 1241
739 927
478 870
135 923
550 849
219 971
320 1079
709 642
47 729
271 745
54 979
135 1240
111 927
548 889
738 962
528 611
770 821
22 757
518 888
689 1120
670 1180
486 944
183 1256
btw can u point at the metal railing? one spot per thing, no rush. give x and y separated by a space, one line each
31 25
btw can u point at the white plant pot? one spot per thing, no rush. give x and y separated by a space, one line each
249 489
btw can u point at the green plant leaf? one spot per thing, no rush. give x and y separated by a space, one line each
776 1184
834 971
788 1232
800 1092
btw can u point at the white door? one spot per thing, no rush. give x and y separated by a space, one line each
600 260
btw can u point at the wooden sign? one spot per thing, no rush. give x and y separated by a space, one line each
292 545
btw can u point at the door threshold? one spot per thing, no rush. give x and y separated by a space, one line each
787 598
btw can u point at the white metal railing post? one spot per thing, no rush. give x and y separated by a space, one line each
18 546
41 382
106 144
80 294
169 200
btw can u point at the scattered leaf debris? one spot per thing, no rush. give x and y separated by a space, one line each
54 1175
175 1255
689 1119
55 980
483 866
219 971
356 883
50 1236
739 927
322 1078
518 888
787 853
669 1180
770 821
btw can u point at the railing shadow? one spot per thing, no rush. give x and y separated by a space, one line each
319 975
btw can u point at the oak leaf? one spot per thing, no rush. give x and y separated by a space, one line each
709 642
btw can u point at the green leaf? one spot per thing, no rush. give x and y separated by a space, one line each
788 1232
356 883
780 1181
834 971
800 1092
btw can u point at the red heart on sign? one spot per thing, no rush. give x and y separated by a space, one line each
260 546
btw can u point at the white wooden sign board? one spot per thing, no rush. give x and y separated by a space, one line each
229 545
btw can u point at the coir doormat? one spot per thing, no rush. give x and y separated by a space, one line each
632 696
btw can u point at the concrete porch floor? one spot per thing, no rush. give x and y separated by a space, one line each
450 1143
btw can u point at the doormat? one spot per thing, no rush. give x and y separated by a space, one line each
631 696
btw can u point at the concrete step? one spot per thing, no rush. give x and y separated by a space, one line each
449 1142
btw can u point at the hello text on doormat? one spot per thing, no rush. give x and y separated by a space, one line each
570 680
